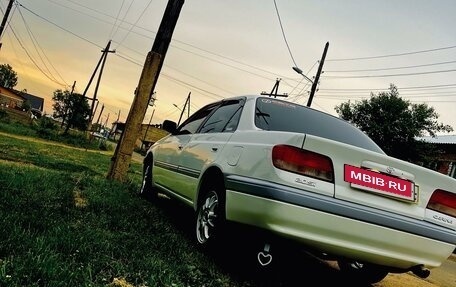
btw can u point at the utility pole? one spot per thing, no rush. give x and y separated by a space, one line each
149 76
102 61
187 102
317 77
106 122
274 90
5 18
99 116
118 116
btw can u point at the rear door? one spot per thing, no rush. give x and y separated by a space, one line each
168 153
206 144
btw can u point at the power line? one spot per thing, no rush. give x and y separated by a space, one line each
174 46
60 27
283 34
130 60
389 75
137 20
29 56
392 55
198 79
36 46
111 34
208 93
430 95
405 92
382 89
393 68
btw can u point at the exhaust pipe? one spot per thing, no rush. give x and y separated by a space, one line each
421 271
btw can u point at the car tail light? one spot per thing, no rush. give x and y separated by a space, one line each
444 202
303 162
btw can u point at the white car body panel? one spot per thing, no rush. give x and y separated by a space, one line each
331 216
336 234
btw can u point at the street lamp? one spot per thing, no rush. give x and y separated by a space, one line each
182 112
299 71
317 77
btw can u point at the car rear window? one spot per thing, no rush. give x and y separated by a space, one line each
276 115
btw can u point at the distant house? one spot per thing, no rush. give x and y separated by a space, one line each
446 162
148 133
12 98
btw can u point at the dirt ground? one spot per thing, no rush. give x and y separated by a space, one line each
444 276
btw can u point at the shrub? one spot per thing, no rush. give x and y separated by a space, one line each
46 128
104 145
4 116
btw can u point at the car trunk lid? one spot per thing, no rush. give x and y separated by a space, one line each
385 183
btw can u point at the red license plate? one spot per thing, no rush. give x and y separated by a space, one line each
379 183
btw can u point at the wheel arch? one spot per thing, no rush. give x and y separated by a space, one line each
212 175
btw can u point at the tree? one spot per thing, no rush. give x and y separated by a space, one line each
8 77
73 109
395 124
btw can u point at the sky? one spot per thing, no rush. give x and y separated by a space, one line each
230 48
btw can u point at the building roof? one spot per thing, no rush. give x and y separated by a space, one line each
441 139
35 102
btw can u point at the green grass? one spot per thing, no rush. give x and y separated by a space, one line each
47 129
64 224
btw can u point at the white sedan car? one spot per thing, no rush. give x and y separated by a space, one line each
308 177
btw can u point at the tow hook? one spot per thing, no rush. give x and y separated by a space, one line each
265 257
421 271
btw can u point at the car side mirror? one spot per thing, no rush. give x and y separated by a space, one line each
170 126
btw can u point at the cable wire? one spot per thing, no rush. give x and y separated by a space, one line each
134 25
30 57
174 46
60 27
283 34
36 45
393 68
392 55
390 75
111 34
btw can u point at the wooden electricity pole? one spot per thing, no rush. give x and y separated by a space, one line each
102 61
317 77
154 61
99 116
5 18
187 102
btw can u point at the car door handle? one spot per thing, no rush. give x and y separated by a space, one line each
215 149
180 147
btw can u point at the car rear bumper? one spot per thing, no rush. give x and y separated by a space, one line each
337 227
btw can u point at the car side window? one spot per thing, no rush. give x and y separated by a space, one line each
223 119
191 125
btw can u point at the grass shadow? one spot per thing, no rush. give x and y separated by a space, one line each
237 254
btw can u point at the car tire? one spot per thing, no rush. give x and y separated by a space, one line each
147 191
362 273
210 217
